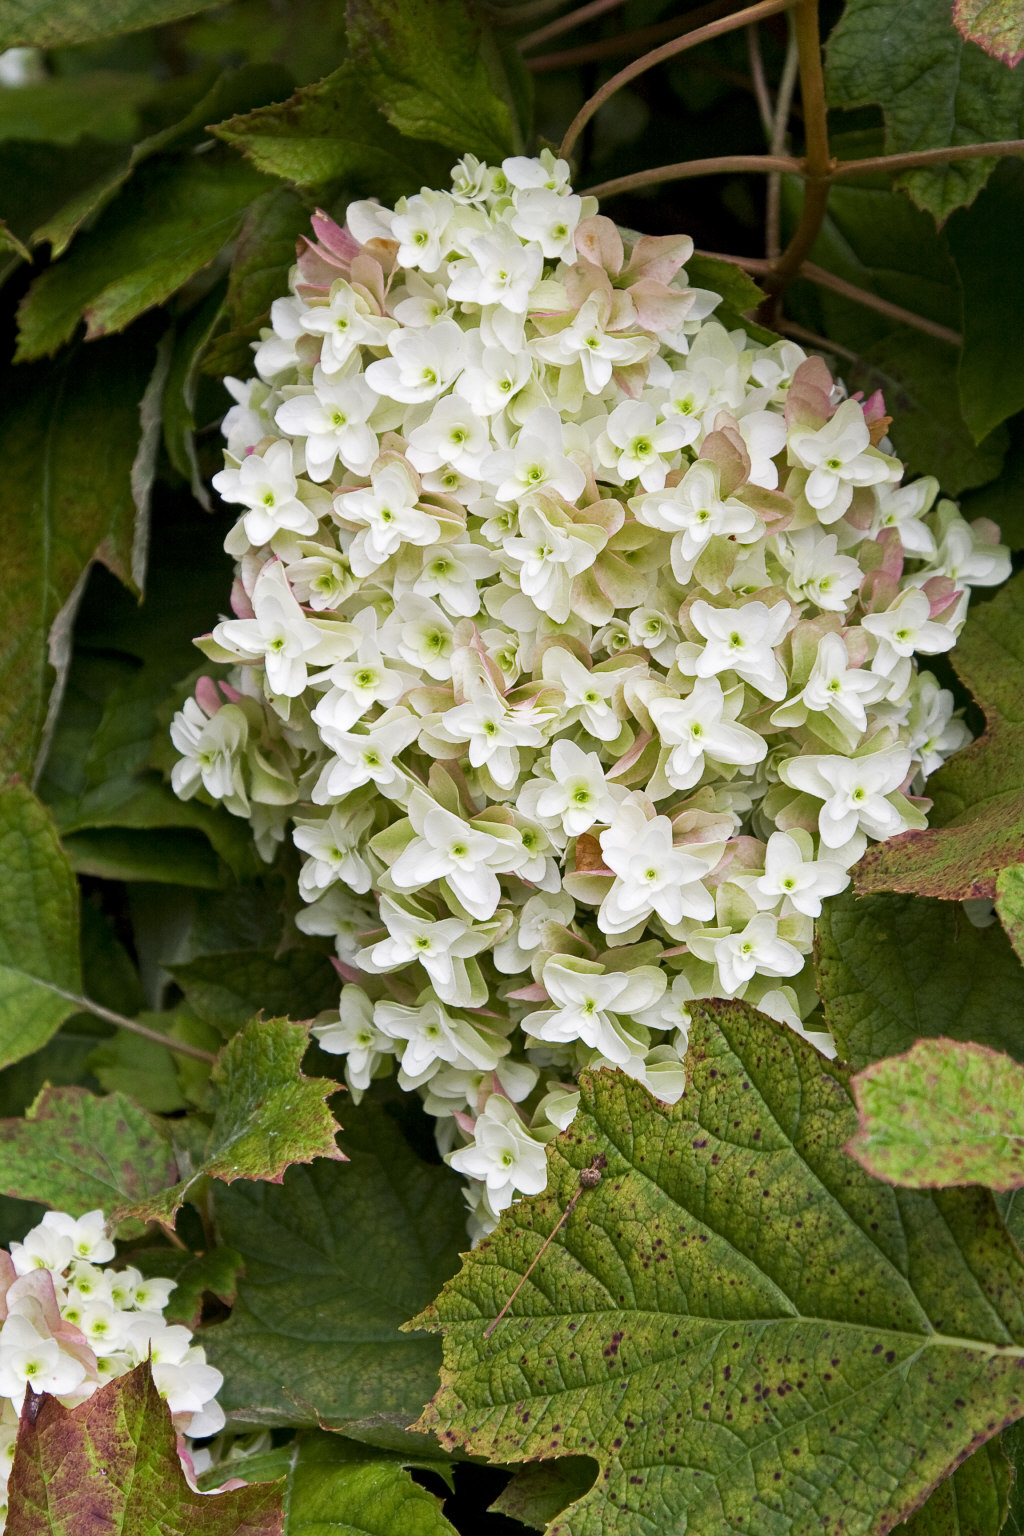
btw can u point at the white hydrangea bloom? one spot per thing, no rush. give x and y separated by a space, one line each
69 1326
567 620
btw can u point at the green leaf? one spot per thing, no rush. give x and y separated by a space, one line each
336 1259
69 498
1002 499
1010 905
41 24
179 403
991 387
995 25
436 74
934 89
1012 1442
227 989
739 1325
739 293
945 1113
212 1273
39 964
336 1488
917 375
979 794
143 1069
972 1502
332 134
266 1116
891 969
111 1464
78 1153
232 90
536 1494
264 254
102 104
181 211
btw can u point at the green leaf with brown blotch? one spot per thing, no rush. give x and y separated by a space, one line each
40 972
891 969
979 794
538 1492
745 1330
111 1465
947 1112
973 1501
266 1116
78 1153
195 1275
41 24
1010 905
995 25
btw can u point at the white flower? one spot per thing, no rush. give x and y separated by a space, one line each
905 627
503 1155
694 512
28 1359
499 269
547 558
935 733
365 755
453 573
279 634
696 728
492 377
741 640
652 875
438 946
266 484
592 1005
791 871
548 218
855 792
537 462
588 694
757 948
354 1035
423 363
345 322
88 1234
211 750
637 446
428 1035
575 796
838 690
452 434
903 508
334 846
586 341
447 848
332 418
817 572
840 457
419 228
387 515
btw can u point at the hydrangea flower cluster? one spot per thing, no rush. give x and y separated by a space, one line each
67 1326
573 645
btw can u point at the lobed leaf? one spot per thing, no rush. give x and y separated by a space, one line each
979 794
972 1502
111 1464
891 969
336 1259
226 989
266 1116
934 89
995 25
1010 905
434 71
743 1329
947 1112
991 387
77 1153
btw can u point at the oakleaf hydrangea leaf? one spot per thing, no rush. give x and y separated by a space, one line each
1010 905
947 1112
39 961
336 1259
266 1116
934 89
995 25
435 73
978 794
744 1329
893 968
111 1464
972 1502
78 1153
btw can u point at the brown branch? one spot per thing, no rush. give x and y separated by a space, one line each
628 42
667 51
777 145
812 339
567 23
762 95
517 15
817 160
719 165
86 1005
923 157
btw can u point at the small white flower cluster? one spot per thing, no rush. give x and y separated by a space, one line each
573 646
67 1326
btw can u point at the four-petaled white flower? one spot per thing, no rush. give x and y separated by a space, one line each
652 875
855 792
594 1005
791 871
387 514
742 640
266 484
503 1155
354 1035
840 458
756 948
575 796
447 848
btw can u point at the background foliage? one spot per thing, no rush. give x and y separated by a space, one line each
813 1350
